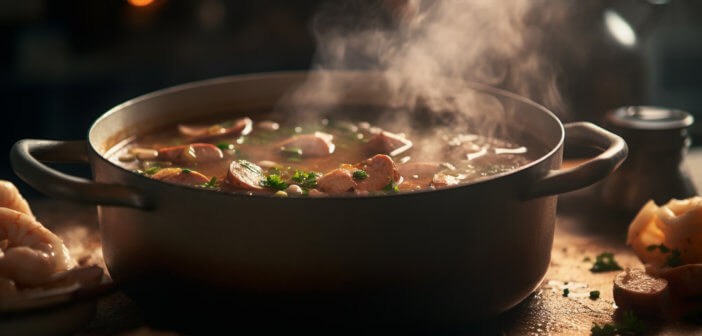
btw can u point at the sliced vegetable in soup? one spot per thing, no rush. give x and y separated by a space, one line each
328 157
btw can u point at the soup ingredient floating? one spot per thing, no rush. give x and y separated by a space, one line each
326 158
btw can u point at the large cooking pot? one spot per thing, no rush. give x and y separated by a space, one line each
448 255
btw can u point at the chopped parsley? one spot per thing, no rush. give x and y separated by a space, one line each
566 291
211 184
225 146
360 174
274 182
605 263
674 260
391 187
594 295
661 247
186 170
305 180
629 325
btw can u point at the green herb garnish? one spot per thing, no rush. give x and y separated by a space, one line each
360 174
225 146
630 325
186 170
274 182
391 187
210 184
306 180
661 247
152 170
594 295
566 291
674 260
605 263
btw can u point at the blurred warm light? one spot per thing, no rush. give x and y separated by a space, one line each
619 28
140 3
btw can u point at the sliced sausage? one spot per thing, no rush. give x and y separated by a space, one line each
639 292
685 280
192 153
180 176
381 171
336 181
311 145
443 180
388 143
417 175
244 175
241 126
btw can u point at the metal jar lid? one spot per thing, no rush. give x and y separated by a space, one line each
652 118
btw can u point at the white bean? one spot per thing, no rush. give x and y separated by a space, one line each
294 189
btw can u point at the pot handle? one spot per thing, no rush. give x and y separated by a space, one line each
27 157
583 134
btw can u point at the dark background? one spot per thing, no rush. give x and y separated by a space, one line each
64 63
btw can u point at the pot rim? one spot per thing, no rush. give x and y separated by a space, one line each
264 75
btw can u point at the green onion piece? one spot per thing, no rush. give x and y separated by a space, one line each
186 170
152 170
604 263
211 183
566 291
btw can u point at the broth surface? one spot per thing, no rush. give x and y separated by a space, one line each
321 157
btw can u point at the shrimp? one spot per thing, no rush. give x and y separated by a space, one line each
11 198
29 253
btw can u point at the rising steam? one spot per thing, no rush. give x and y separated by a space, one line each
426 45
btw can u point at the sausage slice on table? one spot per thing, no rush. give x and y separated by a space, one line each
685 280
192 153
639 292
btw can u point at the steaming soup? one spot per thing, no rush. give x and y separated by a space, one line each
324 157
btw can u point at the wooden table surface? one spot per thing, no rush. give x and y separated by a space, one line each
583 230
